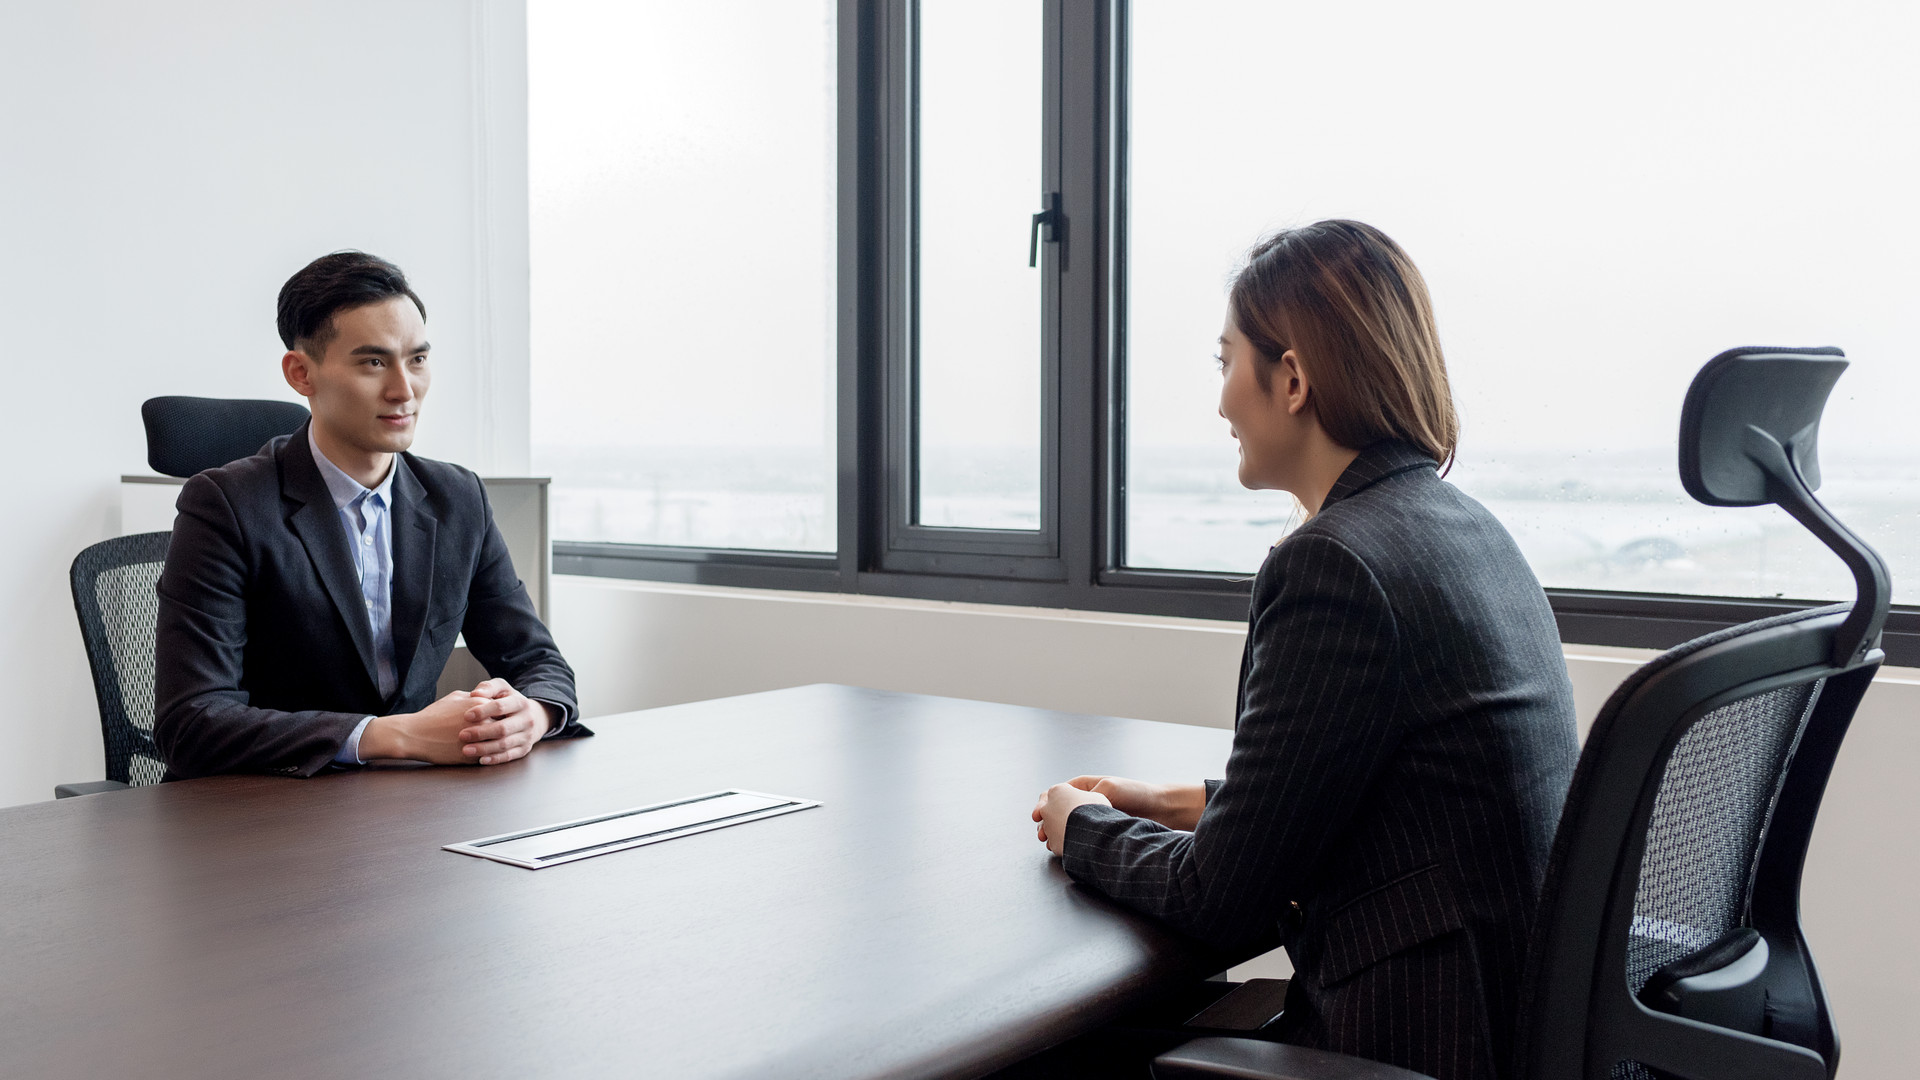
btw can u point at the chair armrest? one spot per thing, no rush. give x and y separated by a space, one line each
91 787
1253 1059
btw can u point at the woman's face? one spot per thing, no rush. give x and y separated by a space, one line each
1264 420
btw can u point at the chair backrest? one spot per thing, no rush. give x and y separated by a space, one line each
1690 811
187 435
114 594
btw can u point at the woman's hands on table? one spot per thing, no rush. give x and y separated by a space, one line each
1177 806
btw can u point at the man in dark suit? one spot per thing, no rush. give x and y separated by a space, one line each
313 591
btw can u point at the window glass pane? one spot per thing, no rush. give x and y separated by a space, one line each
1601 198
682 163
979 302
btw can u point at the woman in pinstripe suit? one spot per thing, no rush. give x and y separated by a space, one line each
1405 727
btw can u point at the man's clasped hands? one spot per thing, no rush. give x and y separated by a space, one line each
491 724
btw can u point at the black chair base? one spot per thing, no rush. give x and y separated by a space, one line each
90 787
1214 1058
1251 1006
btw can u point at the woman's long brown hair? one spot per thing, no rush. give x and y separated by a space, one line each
1354 310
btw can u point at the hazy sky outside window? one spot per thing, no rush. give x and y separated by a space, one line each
1601 198
682 180
979 302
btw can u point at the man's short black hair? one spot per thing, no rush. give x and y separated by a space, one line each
331 284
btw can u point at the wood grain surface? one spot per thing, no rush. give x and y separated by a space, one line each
908 927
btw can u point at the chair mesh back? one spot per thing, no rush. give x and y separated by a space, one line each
129 606
114 593
1703 839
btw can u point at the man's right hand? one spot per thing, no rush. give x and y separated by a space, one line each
431 735
1177 806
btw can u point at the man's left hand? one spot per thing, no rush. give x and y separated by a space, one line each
1055 805
504 725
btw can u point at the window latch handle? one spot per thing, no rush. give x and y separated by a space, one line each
1048 219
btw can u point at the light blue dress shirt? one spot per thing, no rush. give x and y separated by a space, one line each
367 516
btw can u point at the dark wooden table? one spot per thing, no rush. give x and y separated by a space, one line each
909 926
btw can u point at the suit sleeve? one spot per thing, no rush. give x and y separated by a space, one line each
1315 731
203 723
506 635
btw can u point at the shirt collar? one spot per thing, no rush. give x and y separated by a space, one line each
345 489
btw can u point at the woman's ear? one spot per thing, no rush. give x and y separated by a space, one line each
1290 383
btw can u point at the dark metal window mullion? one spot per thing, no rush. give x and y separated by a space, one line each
1085 174
899 226
1109 542
1053 267
906 450
861 209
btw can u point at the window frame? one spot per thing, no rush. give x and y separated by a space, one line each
909 546
1074 560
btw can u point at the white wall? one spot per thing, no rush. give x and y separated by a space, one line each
636 645
164 167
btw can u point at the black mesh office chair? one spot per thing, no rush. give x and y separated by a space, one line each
113 581
113 593
1668 940
187 435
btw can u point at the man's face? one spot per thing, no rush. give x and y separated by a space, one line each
366 391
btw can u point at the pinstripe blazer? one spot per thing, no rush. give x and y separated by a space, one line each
1404 740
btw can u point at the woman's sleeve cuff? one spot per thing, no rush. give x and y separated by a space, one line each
1089 827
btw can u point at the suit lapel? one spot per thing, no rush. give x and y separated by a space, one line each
414 531
316 521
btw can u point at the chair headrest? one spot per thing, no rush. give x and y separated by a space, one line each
187 435
1779 391
1749 436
